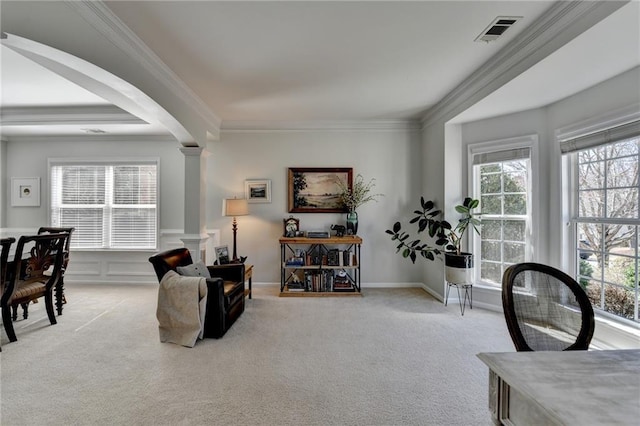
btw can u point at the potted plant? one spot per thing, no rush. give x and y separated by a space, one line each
447 238
354 197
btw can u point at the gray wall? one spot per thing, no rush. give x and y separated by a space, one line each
392 157
29 158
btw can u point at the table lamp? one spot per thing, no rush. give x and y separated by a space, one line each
235 207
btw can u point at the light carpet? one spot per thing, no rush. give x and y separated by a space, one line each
392 357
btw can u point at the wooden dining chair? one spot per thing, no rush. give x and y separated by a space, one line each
5 244
546 309
29 276
61 298
4 255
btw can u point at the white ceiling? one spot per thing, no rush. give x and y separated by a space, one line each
320 61
607 49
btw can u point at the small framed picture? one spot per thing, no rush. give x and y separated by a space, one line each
257 190
25 192
222 254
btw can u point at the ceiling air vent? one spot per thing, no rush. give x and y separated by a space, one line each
497 28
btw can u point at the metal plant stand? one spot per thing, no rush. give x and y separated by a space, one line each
468 295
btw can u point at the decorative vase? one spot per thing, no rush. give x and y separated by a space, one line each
352 223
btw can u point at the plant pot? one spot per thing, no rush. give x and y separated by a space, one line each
458 267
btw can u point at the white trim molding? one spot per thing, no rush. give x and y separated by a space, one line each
110 26
309 126
87 114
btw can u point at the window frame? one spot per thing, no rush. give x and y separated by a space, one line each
576 220
525 141
599 124
112 162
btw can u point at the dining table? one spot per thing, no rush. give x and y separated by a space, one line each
596 387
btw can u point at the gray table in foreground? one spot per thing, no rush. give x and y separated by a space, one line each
564 388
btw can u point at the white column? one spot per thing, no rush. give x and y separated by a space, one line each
195 235
4 199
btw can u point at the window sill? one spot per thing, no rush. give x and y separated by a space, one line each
610 332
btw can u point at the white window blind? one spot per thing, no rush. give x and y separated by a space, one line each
604 137
500 156
110 205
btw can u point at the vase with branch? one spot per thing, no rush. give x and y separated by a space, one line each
354 197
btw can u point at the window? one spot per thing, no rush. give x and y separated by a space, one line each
110 205
502 182
606 219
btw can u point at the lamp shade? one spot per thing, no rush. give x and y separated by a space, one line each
235 207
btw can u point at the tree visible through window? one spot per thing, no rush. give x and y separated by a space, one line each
503 188
607 222
109 205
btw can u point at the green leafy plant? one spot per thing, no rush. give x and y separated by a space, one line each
359 194
446 237
586 270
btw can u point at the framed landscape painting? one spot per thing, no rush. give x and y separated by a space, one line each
257 190
315 189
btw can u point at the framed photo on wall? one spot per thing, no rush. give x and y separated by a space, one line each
25 192
314 189
257 190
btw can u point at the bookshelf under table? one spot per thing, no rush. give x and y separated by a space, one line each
325 268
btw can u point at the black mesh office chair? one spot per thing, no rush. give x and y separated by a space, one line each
546 309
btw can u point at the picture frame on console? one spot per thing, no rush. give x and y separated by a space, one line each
314 189
222 254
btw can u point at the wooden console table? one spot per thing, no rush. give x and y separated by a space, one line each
564 388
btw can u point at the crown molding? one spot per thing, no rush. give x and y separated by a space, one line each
93 138
58 115
98 15
557 26
309 126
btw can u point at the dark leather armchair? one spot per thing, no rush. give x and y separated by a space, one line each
225 290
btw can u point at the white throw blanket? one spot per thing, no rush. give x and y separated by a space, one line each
181 309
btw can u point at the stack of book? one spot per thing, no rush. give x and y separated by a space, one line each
341 282
296 286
